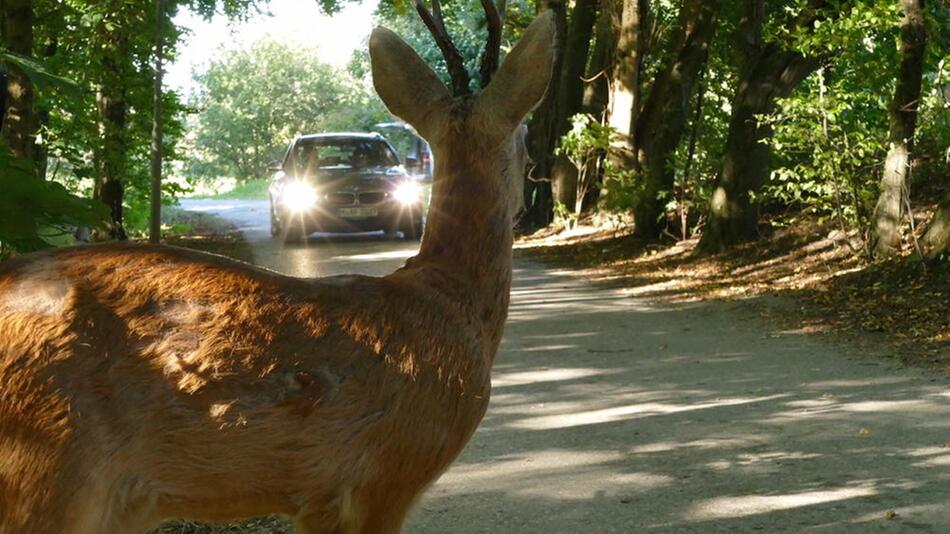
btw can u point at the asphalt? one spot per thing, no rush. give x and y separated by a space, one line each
612 413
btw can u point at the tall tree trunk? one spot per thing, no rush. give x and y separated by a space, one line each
41 151
663 117
155 219
886 221
19 122
541 132
936 240
570 95
769 72
600 68
112 107
625 97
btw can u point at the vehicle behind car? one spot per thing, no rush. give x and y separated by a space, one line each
343 182
414 150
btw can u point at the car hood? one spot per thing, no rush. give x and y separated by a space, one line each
336 178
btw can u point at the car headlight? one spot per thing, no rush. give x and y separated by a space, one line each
299 196
407 193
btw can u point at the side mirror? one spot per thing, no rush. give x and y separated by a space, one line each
275 166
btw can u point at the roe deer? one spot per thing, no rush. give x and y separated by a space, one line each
140 383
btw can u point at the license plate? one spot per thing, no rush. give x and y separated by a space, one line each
357 213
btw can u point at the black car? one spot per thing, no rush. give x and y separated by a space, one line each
343 182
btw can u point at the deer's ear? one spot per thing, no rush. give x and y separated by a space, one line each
406 84
522 80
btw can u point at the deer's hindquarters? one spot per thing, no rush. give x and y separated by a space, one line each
129 400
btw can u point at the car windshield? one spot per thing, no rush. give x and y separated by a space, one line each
310 155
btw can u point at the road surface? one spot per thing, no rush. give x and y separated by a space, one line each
615 414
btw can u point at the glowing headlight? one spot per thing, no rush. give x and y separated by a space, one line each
407 193
299 196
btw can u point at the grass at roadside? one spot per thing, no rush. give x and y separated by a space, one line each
901 302
249 190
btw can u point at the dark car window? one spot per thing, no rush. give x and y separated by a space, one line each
310 155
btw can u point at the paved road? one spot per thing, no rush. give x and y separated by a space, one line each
614 414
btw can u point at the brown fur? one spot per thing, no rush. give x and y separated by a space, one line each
142 383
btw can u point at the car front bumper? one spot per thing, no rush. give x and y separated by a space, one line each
387 215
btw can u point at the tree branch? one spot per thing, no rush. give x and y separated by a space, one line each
453 59
494 21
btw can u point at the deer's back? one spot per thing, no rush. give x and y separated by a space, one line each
188 384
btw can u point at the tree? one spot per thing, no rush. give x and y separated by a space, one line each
625 97
19 123
885 223
252 102
542 128
570 91
770 70
661 122
601 62
113 41
155 218
936 240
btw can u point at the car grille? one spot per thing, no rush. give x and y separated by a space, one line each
340 199
372 198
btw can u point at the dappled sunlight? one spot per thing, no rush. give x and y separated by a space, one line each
503 380
568 335
639 410
548 348
767 461
561 474
691 417
388 255
709 443
858 383
741 506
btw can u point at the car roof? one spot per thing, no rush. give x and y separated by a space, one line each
342 135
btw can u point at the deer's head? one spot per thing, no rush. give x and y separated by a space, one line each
473 136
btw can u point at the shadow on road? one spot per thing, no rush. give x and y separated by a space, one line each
610 414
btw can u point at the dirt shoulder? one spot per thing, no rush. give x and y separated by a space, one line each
828 287
205 232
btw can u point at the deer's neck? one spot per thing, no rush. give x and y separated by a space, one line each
467 243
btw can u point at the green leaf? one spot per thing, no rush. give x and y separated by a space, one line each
40 76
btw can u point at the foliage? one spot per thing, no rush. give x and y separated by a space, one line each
42 78
465 22
584 145
250 103
829 146
830 135
34 213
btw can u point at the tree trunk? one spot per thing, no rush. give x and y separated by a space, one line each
600 69
769 73
155 219
541 140
886 221
625 97
936 240
42 114
570 95
663 117
19 122
112 107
